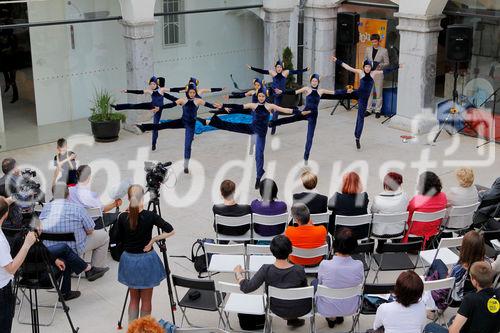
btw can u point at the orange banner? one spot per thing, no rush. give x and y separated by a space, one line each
367 27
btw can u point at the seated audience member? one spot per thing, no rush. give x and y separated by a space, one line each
268 206
283 275
393 200
351 201
479 311
8 268
407 313
65 163
489 207
81 194
230 208
471 251
342 271
305 235
62 216
145 325
465 193
428 200
317 203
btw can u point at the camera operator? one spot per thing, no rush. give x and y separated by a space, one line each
15 215
82 195
140 268
63 216
8 267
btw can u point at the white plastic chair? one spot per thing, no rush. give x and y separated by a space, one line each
442 252
422 217
268 220
291 294
224 258
238 302
447 283
341 294
388 226
321 251
257 256
355 222
459 218
231 221
320 218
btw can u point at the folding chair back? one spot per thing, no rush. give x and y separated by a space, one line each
231 221
320 219
257 256
460 217
310 253
363 252
341 293
450 242
442 252
179 281
224 258
269 220
394 257
447 283
229 249
400 247
291 294
389 226
359 224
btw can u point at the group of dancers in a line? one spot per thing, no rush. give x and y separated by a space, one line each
260 108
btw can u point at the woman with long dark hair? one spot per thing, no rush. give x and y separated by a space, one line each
140 267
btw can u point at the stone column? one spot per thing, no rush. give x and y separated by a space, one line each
416 82
138 32
320 33
276 29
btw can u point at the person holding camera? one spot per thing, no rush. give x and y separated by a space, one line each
8 267
140 268
82 195
11 174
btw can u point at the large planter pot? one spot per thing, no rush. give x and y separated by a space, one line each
105 131
290 101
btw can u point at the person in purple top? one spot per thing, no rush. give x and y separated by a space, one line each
268 206
342 271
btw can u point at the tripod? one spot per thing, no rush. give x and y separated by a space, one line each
345 102
494 95
454 112
33 284
154 206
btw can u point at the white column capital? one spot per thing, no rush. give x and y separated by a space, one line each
135 11
422 7
419 23
279 5
138 30
323 4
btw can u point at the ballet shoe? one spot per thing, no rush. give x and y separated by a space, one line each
257 184
377 115
273 131
140 127
367 114
186 170
153 147
113 106
358 145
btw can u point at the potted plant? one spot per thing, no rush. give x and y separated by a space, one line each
289 101
104 122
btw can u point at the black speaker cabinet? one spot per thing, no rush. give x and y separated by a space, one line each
459 43
347 28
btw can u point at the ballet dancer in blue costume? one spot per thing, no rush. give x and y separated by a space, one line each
279 76
199 91
190 106
257 84
157 93
362 94
259 125
313 96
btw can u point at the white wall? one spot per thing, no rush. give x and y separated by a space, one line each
217 44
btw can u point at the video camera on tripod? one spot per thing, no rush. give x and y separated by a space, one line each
28 191
156 174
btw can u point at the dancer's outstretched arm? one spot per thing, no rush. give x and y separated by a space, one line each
136 92
296 92
262 71
287 72
199 101
275 108
346 66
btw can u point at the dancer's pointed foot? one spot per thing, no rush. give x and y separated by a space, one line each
377 115
205 122
257 184
273 131
367 114
186 170
140 127
271 124
153 147
358 145
113 106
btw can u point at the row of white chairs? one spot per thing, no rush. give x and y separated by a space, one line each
377 226
230 299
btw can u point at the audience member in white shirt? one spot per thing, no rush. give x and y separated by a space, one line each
391 201
464 194
406 314
8 267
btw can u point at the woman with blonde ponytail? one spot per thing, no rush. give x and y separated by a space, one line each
140 267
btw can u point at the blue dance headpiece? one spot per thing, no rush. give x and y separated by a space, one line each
190 86
153 79
262 90
257 80
314 76
367 62
194 81
279 62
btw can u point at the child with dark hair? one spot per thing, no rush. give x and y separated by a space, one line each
65 163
